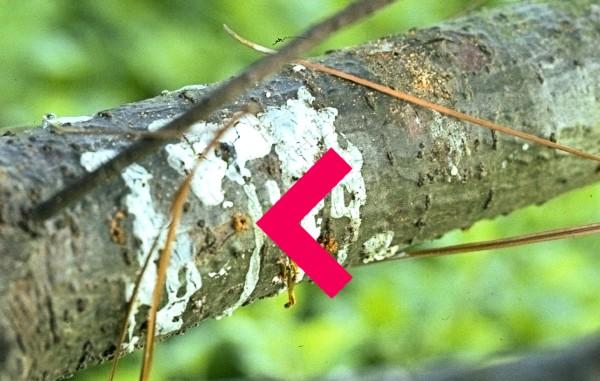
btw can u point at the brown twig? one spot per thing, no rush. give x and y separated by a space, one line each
161 272
223 93
130 305
103 131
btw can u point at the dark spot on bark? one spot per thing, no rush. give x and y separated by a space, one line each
4 349
200 223
488 199
187 96
186 207
8 133
420 154
494 140
419 223
20 343
126 258
539 77
482 170
370 100
64 170
484 49
52 321
32 139
105 114
81 305
59 223
247 302
225 152
66 316
427 202
73 226
421 180
85 356
109 352
210 238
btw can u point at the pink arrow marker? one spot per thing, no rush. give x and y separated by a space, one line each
282 223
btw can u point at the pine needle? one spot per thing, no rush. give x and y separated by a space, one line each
130 306
163 263
549 235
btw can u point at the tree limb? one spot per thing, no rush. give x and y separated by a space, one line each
416 175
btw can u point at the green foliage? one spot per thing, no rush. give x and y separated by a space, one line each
78 57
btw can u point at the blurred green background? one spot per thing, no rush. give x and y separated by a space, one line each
78 57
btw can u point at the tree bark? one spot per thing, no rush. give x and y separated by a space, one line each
416 175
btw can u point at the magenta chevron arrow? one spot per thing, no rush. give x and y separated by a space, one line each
282 223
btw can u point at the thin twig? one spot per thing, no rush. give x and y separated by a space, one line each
225 92
161 271
130 304
104 131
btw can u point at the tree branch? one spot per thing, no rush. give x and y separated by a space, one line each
417 174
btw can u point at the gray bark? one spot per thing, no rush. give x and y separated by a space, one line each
535 67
